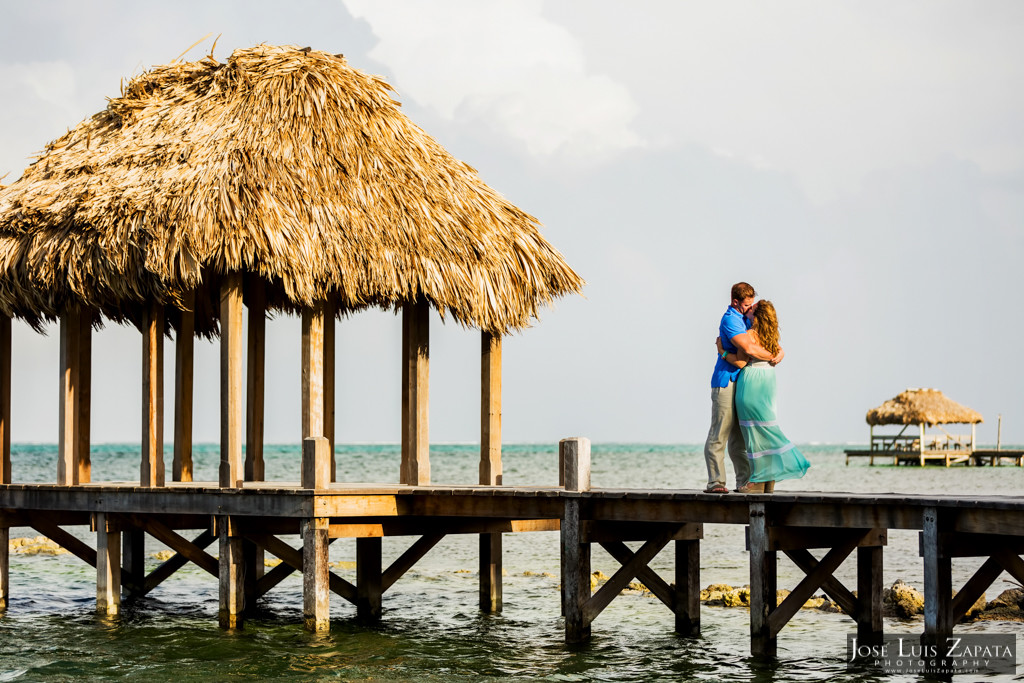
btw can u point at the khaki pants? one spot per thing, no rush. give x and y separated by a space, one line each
725 434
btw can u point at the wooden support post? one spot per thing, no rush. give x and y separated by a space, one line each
869 594
575 574
231 567
762 584
490 465
184 361
415 393
108 567
231 473
316 592
920 443
133 561
5 419
938 580
5 560
330 311
315 463
368 579
687 589
73 463
152 471
256 301
312 372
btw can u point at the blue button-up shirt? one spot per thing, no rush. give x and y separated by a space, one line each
733 323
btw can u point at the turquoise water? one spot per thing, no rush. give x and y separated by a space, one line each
431 627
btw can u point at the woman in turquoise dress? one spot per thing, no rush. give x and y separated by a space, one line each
772 456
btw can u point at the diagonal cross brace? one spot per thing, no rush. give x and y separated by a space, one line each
822 571
621 578
292 557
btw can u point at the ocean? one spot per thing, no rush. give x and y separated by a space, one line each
431 627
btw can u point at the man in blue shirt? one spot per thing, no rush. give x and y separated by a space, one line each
725 426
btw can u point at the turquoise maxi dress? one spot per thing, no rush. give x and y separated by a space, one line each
772 457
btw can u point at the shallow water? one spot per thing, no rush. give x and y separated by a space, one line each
431 626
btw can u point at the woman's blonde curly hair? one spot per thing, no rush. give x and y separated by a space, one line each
766 326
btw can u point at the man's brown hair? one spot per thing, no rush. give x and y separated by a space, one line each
741 291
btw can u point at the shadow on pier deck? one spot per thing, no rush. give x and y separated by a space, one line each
247 522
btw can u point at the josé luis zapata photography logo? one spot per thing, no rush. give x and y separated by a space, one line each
972 653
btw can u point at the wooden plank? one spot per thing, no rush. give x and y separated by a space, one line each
231 574
108 568
597 531
175 562
312 372
369 584
622 576
330 313
5 560
152 470
869 594
490 573
256 302
415 468
231 471
184 364
820 573
5 416
763 568
64 539
789 538
957 544
316 463
490 409
70 358
443 525
316 594
687 588
937 579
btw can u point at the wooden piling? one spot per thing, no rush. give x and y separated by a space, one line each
369 589
316 591
5 410
231 569
687 589
152 469
231 471
108 566
763 584
255 391
490 465
575 456
133 561
938 583
5 560
869 594
184 363
415 393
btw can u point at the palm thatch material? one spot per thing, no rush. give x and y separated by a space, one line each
284 164
922 406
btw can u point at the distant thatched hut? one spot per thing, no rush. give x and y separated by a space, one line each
923 408
284 179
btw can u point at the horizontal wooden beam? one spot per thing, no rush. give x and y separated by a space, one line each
793 538
953 544
601 531
419 527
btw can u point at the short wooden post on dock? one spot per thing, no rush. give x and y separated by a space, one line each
231 471
574 453
231 572
763 583
315 463
415 393
256 302
5 406
108 566
369 588
73 464
316 590
938 579
184 362
490 465
152 470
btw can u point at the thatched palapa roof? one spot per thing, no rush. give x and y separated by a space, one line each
282 163
922 406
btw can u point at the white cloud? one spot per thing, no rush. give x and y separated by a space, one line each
505 65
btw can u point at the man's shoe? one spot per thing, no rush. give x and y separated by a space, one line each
717 489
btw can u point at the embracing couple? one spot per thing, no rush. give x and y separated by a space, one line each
743 417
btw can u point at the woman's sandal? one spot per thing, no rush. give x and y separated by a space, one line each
717 489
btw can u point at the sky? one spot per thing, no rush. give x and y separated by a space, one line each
861 163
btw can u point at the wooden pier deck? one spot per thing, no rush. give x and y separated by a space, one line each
246 522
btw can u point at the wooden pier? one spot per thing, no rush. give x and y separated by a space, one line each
247 521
